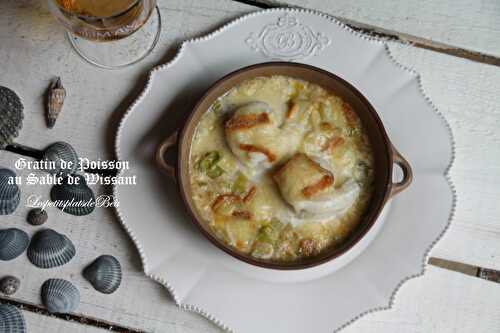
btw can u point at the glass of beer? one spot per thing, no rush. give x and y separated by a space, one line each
110 34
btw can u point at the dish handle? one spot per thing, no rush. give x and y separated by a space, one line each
407 173
169 142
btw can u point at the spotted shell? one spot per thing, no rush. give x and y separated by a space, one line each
10 195
55 101
61 152
105 274
11 319
37 216
13 242
78 198
9 285
49 249
11 116
60 296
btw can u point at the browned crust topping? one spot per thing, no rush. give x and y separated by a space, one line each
242 214
326 126
313 189
308 247
350 115
291 110
240 245
333 143
222 198
251 193
254 149
247 121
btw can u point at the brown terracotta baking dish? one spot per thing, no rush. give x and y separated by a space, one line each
385 155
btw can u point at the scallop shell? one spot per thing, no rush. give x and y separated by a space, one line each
9 285
60 152
13 242
55 101
10 195
11 116
49 249
78 198
37 216
60 296
11 319
105 274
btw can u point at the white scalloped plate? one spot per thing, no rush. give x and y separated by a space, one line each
248 299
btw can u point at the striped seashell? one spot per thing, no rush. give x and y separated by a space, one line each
11 116
10 195
60 296
78 198
61 151
55 101
13 242
11 319
105 274
49 249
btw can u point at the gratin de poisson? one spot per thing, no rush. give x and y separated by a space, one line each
281 168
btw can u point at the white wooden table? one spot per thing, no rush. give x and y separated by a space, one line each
455 45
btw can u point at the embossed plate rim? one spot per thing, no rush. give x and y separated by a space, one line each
163 279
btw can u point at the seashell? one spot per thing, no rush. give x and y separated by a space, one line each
13 242
49 249
10 195
55 101
11 319
105 274
9 285
11 116
60 296
75 199
61 152
37 216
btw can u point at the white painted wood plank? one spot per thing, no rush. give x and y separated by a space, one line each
33 49
467 94
471 25
441 302
32 53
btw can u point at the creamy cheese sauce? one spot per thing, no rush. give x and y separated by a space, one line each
312 132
